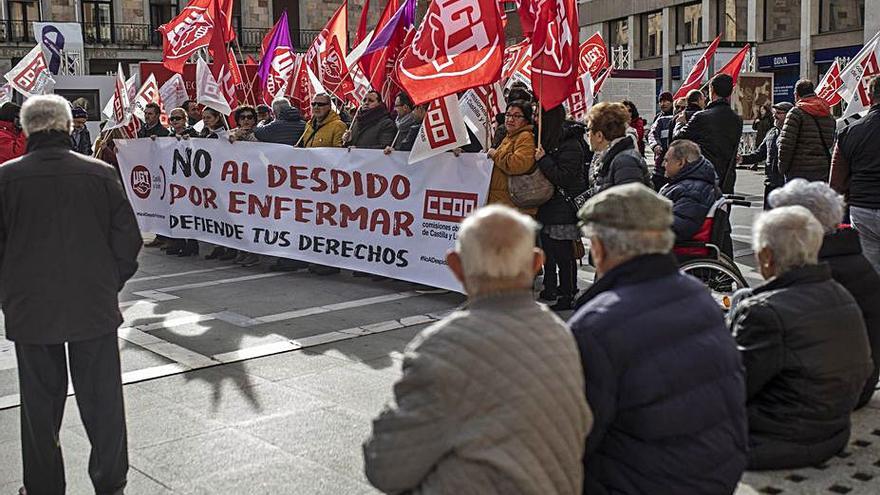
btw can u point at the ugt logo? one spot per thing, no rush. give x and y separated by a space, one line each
141 184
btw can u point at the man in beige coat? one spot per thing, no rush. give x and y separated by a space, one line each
492 398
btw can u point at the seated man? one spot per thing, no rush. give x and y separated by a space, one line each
664 378
491 400
803 344
692 188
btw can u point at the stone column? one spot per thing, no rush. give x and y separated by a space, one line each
807 30
872 18
754 15
668 46
632 24
710 20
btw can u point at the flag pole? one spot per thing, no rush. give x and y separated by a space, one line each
249 88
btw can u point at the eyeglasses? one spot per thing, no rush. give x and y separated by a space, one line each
175 118
319 104
249 116
513 116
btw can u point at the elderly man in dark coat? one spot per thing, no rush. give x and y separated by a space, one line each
663 375
287 128
692 188
64 257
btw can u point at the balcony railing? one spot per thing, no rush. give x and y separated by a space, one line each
141 35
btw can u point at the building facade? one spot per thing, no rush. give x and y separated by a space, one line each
124 31
791 39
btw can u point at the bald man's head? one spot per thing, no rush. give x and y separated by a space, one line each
496 248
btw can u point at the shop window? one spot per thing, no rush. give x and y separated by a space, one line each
652 34
841 15
732 20
689 23
782 19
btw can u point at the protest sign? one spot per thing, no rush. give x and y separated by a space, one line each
358 210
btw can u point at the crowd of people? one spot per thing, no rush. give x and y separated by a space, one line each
648 388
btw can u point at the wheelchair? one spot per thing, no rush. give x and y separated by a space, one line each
708 257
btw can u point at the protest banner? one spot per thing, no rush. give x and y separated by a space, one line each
358 210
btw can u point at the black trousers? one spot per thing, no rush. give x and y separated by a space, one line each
559 255
97 381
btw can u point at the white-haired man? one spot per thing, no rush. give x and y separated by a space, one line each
491 399
663 376
803 344
287 128
68 242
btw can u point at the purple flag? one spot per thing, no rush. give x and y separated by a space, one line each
278 37
404 17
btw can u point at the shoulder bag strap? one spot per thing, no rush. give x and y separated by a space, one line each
821 137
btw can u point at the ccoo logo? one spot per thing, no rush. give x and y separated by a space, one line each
141 184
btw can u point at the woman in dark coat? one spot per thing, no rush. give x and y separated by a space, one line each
561 159
803 344
373 127
841 250
616 160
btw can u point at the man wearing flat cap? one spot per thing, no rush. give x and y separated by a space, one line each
663 374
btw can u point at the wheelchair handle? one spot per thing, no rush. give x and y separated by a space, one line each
735 197
737 202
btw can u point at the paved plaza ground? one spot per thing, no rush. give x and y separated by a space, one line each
240 380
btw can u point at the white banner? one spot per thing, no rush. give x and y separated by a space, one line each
443 129
31 76
358 210
59 39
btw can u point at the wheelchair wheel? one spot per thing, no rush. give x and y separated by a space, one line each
721 276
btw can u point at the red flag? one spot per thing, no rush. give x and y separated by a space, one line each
221 66
188 32
326 56
297 90
699 71
734 66
448 55
528 15
513 58
250 61
224 16
593 56
555 49
830 85
370 63
362 25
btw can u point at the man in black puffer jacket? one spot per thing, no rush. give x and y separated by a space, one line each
717 130
807 136
692 188
287 128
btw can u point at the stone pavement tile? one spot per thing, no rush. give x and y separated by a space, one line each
362 391
150 427
294 363
295 476
406 334
74 448
237 407
216 337
147 312
133 357
10 425
208 382
375 349
331 437
179 463
8 382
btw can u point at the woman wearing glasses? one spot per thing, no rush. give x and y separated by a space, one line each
372 127
515 155
246 121
179 124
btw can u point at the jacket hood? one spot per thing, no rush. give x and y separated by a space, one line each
808 274
48 139
814 106
701 170
290 114
571 129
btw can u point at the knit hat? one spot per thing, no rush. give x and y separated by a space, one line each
9 111
80 113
